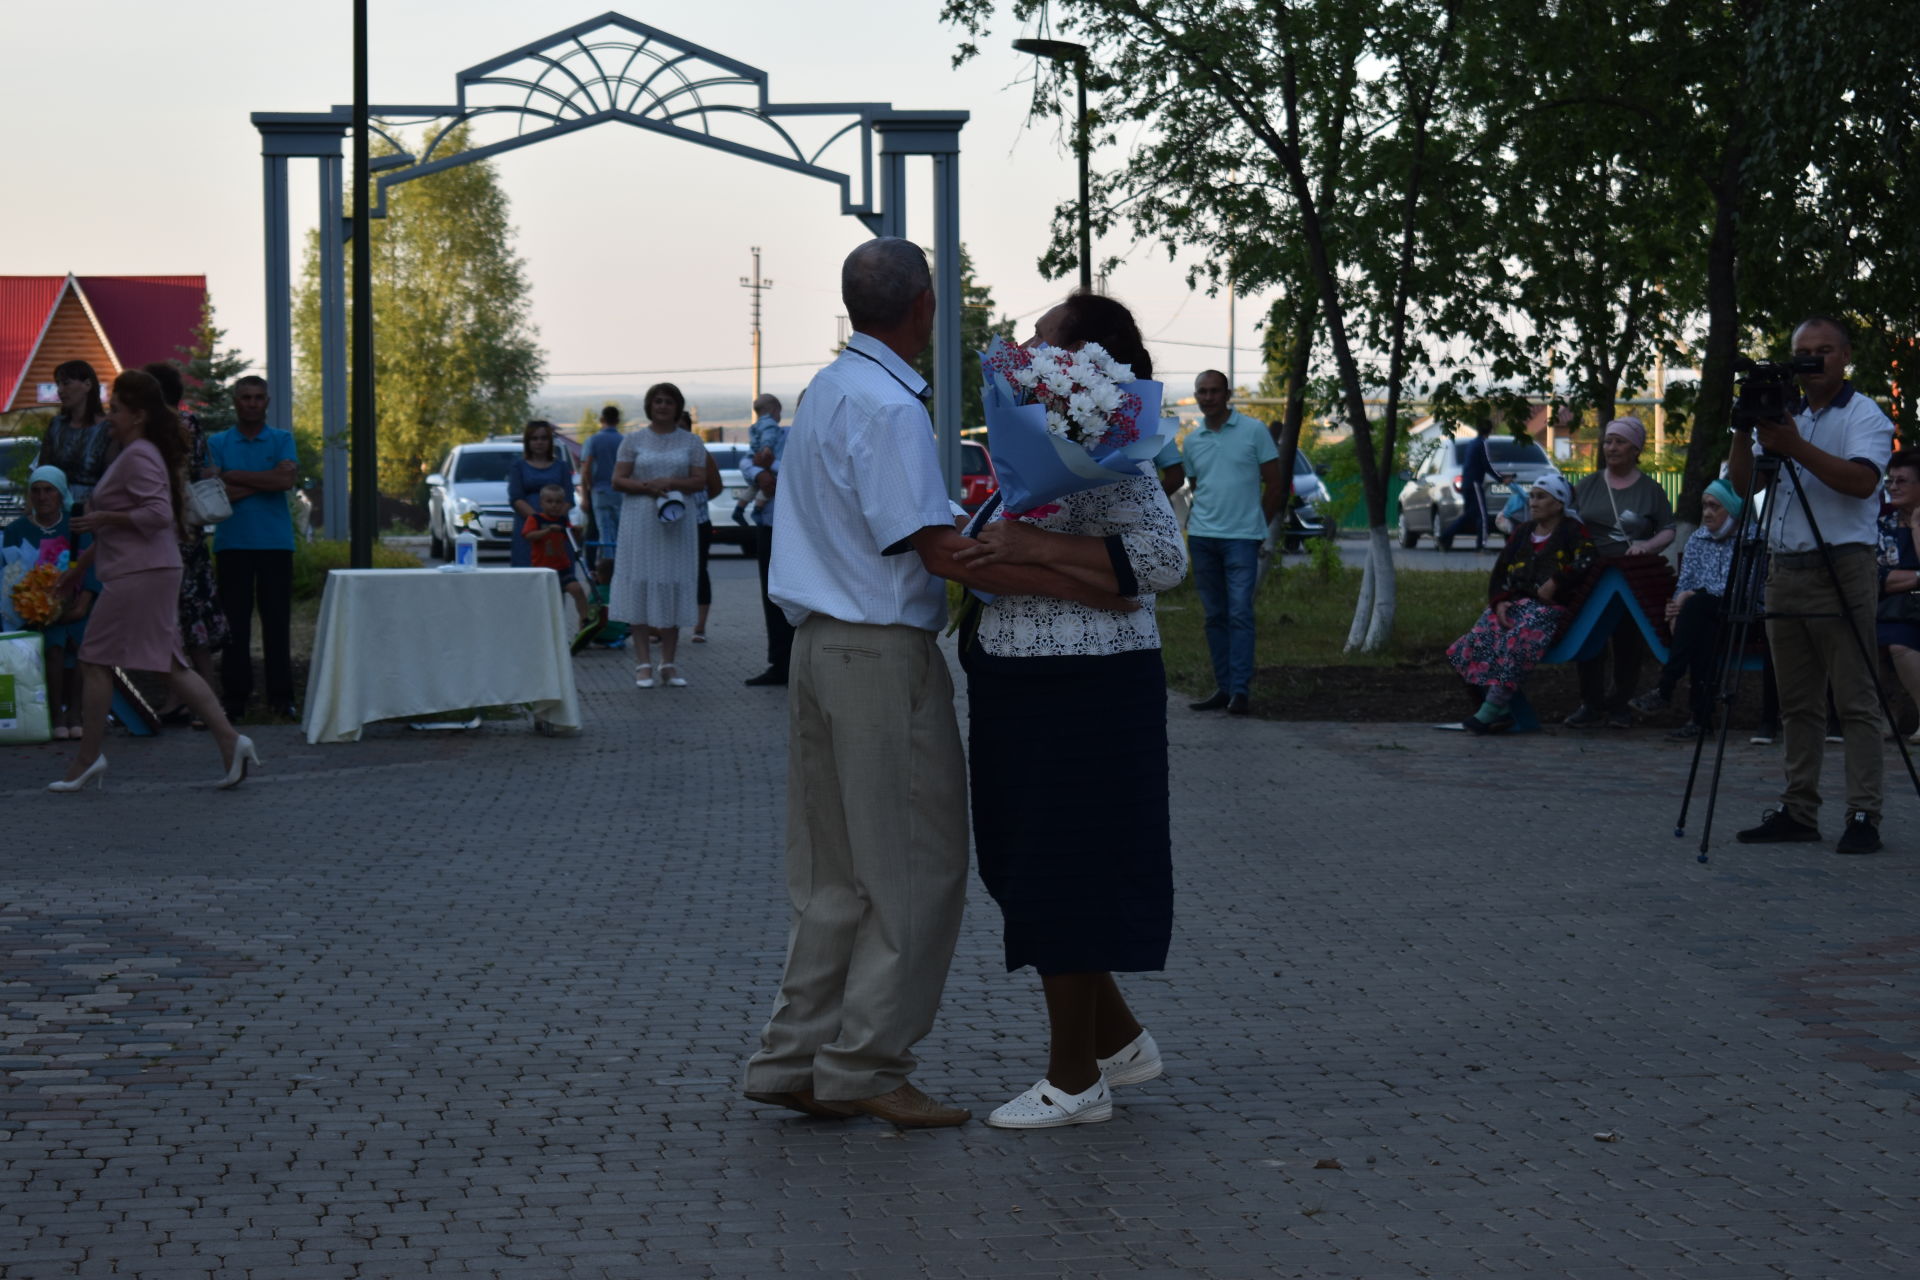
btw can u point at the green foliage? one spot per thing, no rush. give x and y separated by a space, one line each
455 355
1302 619
312 561
210 366
977 329
24 422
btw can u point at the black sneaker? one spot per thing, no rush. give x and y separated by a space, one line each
1218 702
1776 827
1584 717
1765 734
1652 702
1620 718
1685 733
1860 835
1238 705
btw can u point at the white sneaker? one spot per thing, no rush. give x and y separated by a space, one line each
1045 1107
1138 1063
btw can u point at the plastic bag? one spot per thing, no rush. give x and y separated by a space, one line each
24 714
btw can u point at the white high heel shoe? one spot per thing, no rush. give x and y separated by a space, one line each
96 773
243 753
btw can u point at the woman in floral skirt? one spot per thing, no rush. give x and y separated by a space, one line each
203 623
1544 560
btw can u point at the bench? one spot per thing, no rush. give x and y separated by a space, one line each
1621 591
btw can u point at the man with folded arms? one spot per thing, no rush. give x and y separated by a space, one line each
876 784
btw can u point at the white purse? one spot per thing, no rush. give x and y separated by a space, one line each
207 503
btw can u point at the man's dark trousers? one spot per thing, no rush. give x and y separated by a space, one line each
247 578
779 630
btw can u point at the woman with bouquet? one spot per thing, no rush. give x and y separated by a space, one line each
134 517
1085 887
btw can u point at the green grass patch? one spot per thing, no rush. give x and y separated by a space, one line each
1302 614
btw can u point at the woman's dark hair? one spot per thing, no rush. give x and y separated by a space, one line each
167 374
541 424
663 388
1908 459
83 371
138 391
1093 317
610 415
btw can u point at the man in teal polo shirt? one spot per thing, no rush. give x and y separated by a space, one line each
253 549
1237 489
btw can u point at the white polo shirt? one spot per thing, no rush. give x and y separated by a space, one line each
1852 427
858 478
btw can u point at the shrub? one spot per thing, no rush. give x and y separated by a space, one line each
313 560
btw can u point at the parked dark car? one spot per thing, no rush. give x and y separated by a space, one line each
1433 497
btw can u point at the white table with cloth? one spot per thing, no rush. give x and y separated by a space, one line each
412 642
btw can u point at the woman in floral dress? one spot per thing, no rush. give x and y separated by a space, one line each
203 623
1543 561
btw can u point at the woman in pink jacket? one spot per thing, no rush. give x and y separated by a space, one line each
133 516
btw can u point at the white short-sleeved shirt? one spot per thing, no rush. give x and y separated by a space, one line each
858 478
1851 427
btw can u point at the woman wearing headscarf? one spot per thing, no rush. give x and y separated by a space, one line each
47 527
77 440
1627 514
1544 560
1693 614
134 518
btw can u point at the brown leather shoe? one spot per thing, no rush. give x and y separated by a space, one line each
909 1108
803 1101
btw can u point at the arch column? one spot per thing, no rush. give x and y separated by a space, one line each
935 134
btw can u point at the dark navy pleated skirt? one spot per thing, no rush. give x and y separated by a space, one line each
1068 760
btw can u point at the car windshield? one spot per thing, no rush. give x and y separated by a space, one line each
726 456
1302 466
482 466
1504 449
973 460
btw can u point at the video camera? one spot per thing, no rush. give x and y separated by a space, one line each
1767 393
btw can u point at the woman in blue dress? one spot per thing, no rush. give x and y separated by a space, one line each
46 526
542 462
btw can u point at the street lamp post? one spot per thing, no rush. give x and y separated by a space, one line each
1067 51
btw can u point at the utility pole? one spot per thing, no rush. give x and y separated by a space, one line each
1233 291
757 286
364 514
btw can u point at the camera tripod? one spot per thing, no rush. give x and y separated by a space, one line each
1741 606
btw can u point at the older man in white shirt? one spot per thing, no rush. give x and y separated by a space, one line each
876 783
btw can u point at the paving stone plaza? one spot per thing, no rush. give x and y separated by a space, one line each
478 1003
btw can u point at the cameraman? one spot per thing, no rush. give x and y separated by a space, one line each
1837 442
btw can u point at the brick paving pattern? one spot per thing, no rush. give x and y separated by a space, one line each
477 1004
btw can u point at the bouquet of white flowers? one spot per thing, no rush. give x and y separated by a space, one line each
1061 421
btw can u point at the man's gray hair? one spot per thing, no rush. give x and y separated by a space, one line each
880 281
767 405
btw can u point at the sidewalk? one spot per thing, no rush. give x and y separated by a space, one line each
478 1003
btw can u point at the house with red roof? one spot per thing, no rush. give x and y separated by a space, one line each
111 322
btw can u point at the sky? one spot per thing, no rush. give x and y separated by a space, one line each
634 245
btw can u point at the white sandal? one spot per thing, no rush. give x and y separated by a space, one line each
674 681
1045 1107
643 681
1138 1063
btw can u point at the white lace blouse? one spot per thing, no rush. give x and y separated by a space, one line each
1136 512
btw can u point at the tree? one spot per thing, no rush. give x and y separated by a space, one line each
977 329
209 367
1288 130
455 355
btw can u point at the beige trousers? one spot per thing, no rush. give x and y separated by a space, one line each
1811 652
876 859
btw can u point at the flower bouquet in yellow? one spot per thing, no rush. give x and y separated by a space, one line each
35 597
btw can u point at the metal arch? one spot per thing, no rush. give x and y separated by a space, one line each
562 84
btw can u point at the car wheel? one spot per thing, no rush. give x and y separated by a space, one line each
1408 537
1444 543
436 545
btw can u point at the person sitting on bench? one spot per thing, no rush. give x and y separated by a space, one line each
1693 614
1545 559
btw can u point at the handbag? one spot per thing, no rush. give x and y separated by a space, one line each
207 503
1901 607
